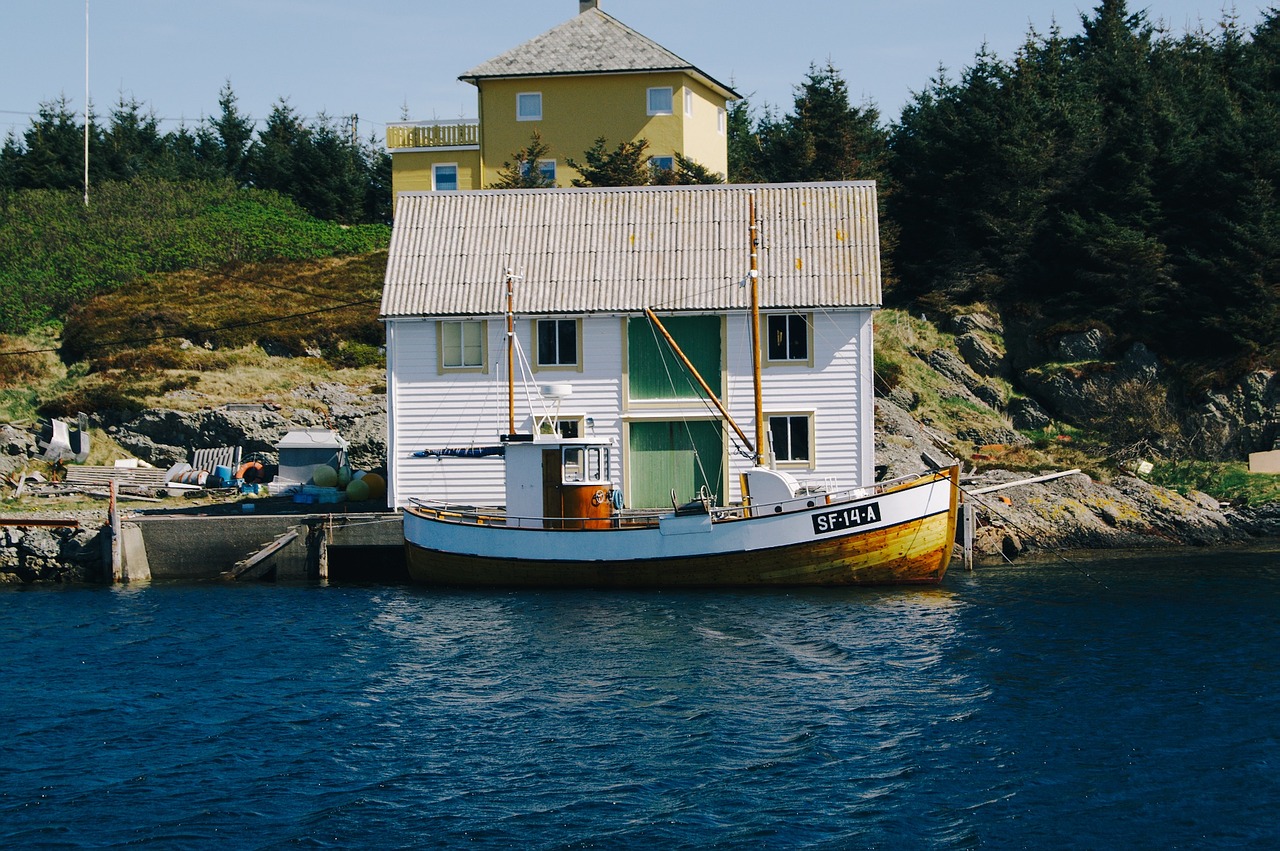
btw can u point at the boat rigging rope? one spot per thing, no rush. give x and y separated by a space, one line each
1055 551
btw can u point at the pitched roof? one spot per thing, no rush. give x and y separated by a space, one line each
590 43
678 248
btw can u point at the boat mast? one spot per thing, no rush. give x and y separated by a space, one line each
511 341
702 382
754 275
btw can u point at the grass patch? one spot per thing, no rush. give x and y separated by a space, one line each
1228 482
323 307
29 365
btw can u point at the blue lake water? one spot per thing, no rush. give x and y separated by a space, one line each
1101 704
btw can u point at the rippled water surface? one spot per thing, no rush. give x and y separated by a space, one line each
1102 704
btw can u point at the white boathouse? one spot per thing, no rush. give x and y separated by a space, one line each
588 262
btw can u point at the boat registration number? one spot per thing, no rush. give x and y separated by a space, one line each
846 518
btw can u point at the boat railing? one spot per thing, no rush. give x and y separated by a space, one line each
484 515
642 518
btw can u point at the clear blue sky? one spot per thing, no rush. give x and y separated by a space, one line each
380 58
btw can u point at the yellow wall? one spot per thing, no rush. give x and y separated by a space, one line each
706 132
576 110
411 170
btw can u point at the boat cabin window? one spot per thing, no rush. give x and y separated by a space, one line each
586 464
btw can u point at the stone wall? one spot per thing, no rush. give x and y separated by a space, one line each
51 554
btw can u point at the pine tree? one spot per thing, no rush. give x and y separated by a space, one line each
53 150
224 141
743 144
625 165
132 145
521 171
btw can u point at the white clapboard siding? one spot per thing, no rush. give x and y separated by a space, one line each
433 411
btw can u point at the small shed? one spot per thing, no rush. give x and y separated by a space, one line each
302 450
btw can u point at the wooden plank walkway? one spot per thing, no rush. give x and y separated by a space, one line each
138 477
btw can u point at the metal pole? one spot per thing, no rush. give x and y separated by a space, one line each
511 338
754 275
86 103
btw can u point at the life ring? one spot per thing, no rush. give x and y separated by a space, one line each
251 472
598 497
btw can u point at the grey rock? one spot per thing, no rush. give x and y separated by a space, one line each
980 322
1027 414
949 365
1081 346
1243 418
40 543
1140 363
982 355
990 396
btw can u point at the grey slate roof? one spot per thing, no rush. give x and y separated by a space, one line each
590 43
677 248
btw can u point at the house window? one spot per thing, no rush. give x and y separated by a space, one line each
444 176
720 117
662 163
787 337
529 106
660 100
546 168
557 342
688 101
462 344
790 436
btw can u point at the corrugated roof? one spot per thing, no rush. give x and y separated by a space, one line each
590 43
622 250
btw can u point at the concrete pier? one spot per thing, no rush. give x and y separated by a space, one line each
344 547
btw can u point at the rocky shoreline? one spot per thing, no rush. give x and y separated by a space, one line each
1071 513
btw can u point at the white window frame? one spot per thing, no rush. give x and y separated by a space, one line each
520 114
538 365
720 120
650 109
444 329
435 181
688 101
765 339
568 426
804 463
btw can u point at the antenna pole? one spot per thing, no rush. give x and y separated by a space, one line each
86 103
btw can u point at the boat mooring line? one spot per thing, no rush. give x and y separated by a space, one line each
1056 551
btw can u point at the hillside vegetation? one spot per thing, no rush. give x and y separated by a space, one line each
158 288
56 253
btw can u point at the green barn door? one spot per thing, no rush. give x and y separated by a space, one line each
654 371
676 454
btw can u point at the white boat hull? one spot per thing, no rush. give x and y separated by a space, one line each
902 535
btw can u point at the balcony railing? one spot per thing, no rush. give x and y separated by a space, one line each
461 133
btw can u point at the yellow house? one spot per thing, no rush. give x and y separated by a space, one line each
587 78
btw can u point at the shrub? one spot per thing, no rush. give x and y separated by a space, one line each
355 355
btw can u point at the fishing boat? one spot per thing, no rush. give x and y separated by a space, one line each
563 523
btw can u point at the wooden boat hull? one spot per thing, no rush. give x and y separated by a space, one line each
908 542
